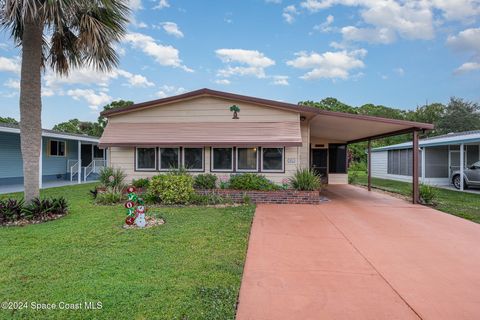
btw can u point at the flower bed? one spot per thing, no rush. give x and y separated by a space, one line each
278 196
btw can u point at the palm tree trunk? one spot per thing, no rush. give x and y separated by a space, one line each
31 107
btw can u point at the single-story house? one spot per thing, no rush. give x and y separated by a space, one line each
61 155
224 133
439 157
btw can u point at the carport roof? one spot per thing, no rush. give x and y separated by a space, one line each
339 126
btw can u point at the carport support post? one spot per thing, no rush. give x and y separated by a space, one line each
415 189
369 156
462 164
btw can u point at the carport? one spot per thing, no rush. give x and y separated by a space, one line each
353 128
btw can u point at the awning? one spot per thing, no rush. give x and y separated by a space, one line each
266 134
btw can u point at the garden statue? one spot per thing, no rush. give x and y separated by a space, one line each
135 209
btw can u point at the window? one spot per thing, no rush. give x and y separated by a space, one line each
272 159
247 159
146 158
97 152
57 148
222 159
193 159
169 158
337 158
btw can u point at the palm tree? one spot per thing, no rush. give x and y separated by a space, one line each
61 34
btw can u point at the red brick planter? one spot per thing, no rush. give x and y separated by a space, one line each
280 196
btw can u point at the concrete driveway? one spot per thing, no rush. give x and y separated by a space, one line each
361 256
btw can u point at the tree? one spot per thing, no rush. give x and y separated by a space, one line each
460 115
62 34
80 127
8 120
102 121
429 113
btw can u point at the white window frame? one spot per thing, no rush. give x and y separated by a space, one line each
160 158
211 160
203 159
283 160
256 160
136 159
50 148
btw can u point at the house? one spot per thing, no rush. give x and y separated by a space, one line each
61 155
440 156
202 131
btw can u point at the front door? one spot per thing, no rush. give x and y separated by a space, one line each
320 161
86 154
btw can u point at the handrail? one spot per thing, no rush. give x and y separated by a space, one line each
73 169
93 167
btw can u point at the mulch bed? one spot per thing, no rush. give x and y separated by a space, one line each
25 222
151 222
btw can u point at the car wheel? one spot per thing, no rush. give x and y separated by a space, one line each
456 182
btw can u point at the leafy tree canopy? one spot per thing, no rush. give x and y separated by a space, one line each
8 120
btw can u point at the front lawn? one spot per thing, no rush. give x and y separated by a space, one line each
462 204
189 268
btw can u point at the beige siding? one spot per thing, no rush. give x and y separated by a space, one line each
337 178
205 109
304 150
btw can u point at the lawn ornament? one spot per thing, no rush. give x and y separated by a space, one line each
135 209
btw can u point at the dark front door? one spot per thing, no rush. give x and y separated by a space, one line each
86 154
320 161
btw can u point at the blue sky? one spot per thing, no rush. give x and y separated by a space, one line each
395 53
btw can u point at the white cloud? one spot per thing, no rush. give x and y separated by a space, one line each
273 1
467 41
371 35
167 91
135 4
12 83
47 92
468 67
95 100
326 25
172 29
164 55
90 76
10 65
280 80
289 13
222 81
399 71
162 4
252 62
330 65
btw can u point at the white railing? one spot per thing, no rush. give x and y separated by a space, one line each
93 167
74 169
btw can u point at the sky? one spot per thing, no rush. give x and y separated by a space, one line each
401 54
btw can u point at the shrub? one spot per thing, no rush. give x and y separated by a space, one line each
40 209
109 197
140 183
428 193
353 177
151 198
112 178
305 180
10 210
358 166
172 188
251 181
205 181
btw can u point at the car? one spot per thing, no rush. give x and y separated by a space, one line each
471 176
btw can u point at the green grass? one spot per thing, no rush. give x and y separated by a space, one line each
461 204
189 268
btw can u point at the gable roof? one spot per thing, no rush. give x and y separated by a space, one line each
312 111
15 128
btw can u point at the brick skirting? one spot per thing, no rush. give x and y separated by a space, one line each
279 197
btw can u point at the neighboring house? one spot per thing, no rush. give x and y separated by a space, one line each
61 153
199 131
440 156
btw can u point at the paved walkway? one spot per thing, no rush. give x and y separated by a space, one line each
361 256
11 188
